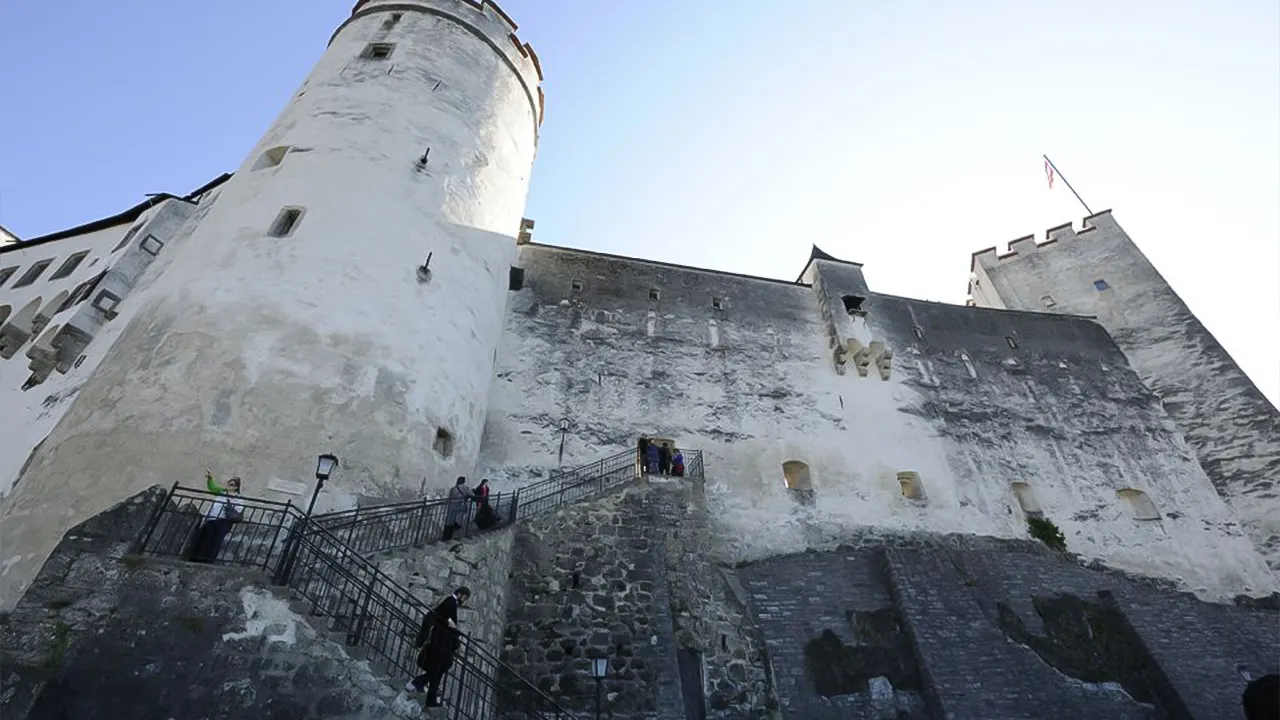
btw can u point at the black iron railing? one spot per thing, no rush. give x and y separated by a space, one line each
337 583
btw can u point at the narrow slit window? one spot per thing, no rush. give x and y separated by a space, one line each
127 237
33 273
271 158
69 265
919 332
378 51
444 442
1012 343
286 222
1101 285
576 286
654 294
7 273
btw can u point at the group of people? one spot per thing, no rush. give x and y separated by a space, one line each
659 458
458 512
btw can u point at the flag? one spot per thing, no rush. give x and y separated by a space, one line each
1048 172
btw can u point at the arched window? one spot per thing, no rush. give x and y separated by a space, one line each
1140 504
912 488
795 475
1026 496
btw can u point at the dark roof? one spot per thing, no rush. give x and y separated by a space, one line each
129 215
818 253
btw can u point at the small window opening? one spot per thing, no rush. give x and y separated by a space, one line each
1026 497
719 303
912 488
1013 344
391 21
378 51
919 332
285 222
795 475
654 294
271 158
853 304
151 245
127 237
1101 285
576 285
106 302
444 442
33 273
7 273
69 265
1048 301
1140 504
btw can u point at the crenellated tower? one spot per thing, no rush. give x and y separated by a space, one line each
301 315
1099 271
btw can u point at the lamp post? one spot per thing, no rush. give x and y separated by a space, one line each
324 468
599 670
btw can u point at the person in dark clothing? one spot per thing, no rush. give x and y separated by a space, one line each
644 455
438 640
664 459
652 455
485 516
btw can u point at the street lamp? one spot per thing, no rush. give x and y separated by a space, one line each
599 670
324 468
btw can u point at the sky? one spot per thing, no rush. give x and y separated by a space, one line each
735 134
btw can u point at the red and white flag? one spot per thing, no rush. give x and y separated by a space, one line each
1048 172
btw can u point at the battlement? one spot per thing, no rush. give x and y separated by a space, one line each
484 18
1023 246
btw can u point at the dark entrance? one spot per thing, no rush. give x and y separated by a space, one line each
690 662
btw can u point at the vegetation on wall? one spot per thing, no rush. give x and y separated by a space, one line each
1046 532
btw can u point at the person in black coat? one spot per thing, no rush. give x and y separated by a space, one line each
438 640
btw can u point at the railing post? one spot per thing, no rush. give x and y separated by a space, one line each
420 524
358 633
154 520
515 507
276 537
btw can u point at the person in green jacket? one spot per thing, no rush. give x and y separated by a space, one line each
225 510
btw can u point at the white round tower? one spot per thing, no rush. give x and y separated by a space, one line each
296 318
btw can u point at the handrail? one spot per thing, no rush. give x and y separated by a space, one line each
357 597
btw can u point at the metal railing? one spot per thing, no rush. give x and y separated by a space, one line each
336 582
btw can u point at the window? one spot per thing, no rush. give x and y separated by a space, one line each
912 488
576 286
852 304
391 21
1013 344
1140 505
719 303
444 442
795 475
127 237
1048 301
285 222
151 245
5 311
919 332
1027 499
69 265
654 294
33 273
7 273
271 158
1101 285
378 51
106 303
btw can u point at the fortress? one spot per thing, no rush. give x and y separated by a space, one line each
365 283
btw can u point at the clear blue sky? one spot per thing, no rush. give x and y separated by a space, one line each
734 134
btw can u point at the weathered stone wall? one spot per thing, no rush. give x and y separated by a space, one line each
599 350
974 627
102 636
1232 427
622 577
481 562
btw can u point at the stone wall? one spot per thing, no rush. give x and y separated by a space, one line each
974 627
623 577
600 349
101 635
1233 428
481 562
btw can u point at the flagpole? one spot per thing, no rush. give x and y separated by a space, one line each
1067 183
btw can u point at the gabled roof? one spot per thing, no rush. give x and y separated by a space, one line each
817 253
129 215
